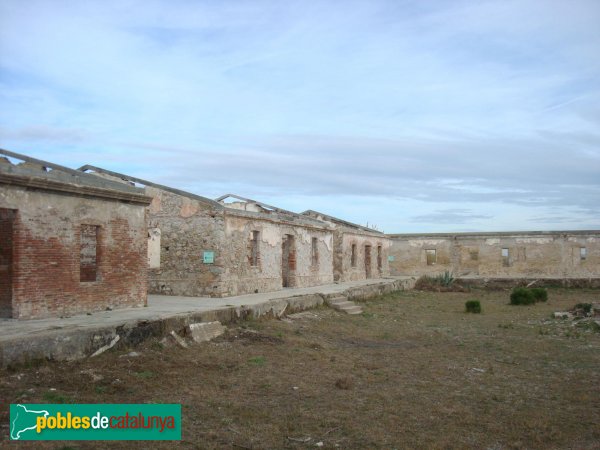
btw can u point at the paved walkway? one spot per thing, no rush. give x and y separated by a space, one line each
161 307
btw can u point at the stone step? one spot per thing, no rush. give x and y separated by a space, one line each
336 300
354 310
343 305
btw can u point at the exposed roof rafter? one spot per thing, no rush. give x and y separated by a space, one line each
124 177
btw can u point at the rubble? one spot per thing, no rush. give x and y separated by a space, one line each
205 331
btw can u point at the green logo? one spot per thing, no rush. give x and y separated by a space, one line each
48 422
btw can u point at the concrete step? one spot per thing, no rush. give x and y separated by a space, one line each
343 305
354 310
336 300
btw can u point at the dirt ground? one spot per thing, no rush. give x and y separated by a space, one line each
413 371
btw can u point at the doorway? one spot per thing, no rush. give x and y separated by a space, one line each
7 217
368 261
288 260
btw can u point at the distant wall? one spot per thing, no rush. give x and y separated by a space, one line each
560 254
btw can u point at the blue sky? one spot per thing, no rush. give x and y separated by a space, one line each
414 116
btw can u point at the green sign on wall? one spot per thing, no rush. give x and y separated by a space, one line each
209 257
391 258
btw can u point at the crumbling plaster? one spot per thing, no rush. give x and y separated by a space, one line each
531 254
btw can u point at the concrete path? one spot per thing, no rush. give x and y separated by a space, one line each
79 336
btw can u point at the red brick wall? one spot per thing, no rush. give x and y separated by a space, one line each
6 221
47 256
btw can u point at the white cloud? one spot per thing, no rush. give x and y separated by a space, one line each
320 101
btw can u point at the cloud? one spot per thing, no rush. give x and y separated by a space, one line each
45 133
439 106
450 216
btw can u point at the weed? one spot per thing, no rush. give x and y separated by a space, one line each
100 389
54 397
445 279
257 361
473 306
144 374
521 296
587 307
539 294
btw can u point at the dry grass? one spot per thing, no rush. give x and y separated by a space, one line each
414 371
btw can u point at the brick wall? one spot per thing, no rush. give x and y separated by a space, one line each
47 239
6 227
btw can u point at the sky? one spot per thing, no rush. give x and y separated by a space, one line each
411 116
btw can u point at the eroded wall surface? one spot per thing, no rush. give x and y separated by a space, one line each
47 258
362 268
182 229
242 277
503 255
206 251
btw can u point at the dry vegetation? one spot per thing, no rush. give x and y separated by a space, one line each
414 371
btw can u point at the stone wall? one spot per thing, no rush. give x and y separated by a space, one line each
502 255
344 268
241 277
46 249
188 228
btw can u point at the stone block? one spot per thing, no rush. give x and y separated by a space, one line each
205 331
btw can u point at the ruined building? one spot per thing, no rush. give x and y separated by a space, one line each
530 254
359 252
202 247
69 242
82 241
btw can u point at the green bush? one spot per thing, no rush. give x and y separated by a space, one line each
587 307
521 296
473 306
539 294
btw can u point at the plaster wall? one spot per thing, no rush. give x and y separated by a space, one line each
530 254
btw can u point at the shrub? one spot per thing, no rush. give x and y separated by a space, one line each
443 282
539 294
587 307
425 283
521 296
445 279
473 306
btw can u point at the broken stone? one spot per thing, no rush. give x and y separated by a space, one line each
93 375
179 340
102 349
303 315
205 331
563 315
130 355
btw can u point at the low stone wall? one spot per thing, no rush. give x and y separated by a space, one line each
81 343
509 283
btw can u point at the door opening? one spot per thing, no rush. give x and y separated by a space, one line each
368 261
7 217
288 261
